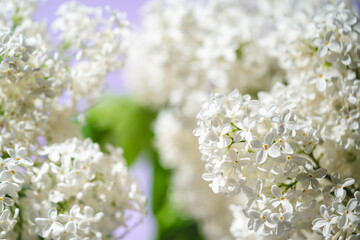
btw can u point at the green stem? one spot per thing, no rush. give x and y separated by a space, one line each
232 124
288 186
349 193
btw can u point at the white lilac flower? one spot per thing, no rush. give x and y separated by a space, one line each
36 192
12 173
87 199
259 221
292 161
73 215
90 221
68 231
311 176
235 165
282 222
19 156
245 125
49 225
281 199
5 200
23 48
346 213
306 193
266 148
339 186
329 42
5 221
326 222
256 195
236 186
8 71
286 122
305 212
218 184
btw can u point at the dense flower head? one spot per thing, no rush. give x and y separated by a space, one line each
283 150
80 187
195 48
70 189
265 152
40 86
321 63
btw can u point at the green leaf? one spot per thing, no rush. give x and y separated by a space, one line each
172 224
125 123
239 51
175 225
122 122
160 185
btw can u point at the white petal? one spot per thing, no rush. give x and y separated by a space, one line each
83 225
320 173
346 60
351 205
70 226
321 84
348 182
287 206
334 46
326 230
275 190
52 214
274 151
256 144
322 51
302 177
98 216
258 226
269 138
261 157
314 184
89 211
208 176
5 175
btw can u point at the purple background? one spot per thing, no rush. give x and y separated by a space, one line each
141 170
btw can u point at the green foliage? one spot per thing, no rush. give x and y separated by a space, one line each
16 19
123 122
172 224
239 51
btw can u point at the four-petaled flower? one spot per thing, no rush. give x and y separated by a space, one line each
266 148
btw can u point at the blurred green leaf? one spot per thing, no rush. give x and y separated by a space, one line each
172 224
123 122
160 184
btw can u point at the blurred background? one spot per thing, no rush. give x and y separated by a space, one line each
122 121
